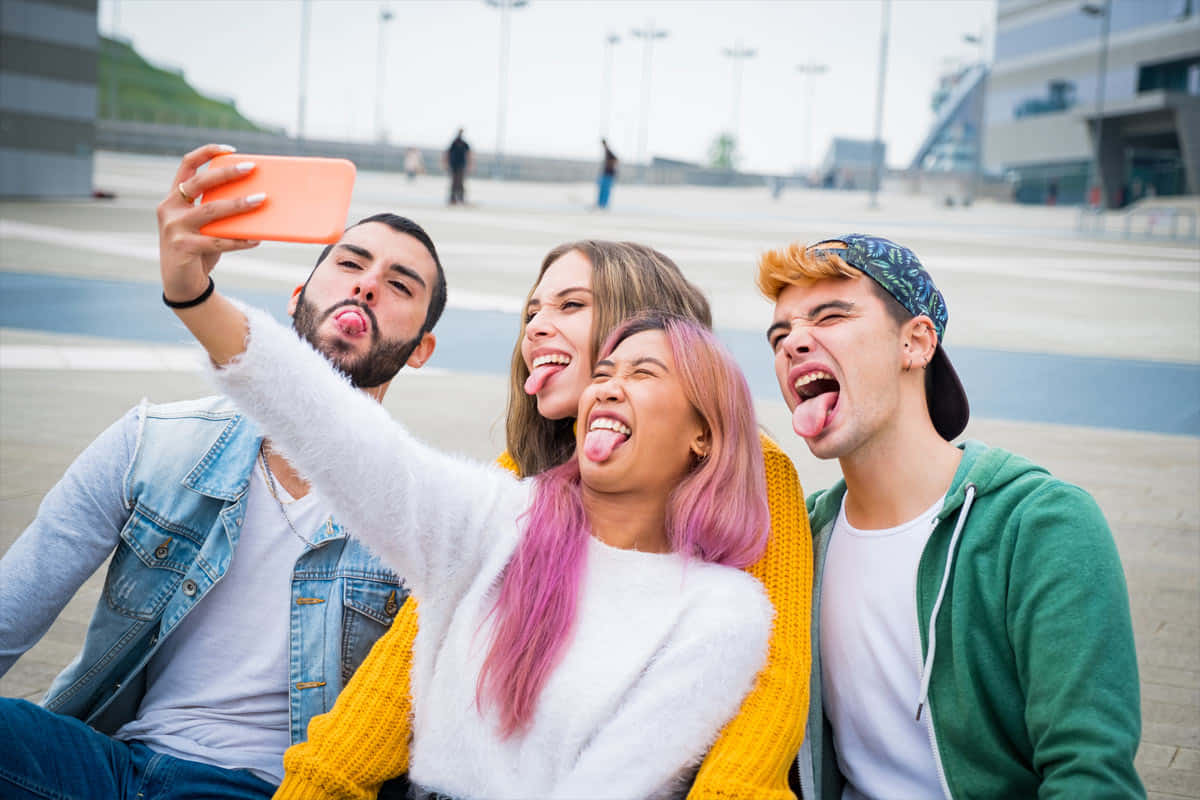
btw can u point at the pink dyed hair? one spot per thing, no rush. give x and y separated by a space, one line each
718 513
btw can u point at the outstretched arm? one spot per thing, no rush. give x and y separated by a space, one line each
452 513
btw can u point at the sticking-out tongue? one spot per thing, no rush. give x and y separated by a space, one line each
351 322
810 417
538 377
600 443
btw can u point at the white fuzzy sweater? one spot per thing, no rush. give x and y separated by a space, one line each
661 655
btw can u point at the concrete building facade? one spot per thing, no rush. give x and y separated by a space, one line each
1071 76
48 73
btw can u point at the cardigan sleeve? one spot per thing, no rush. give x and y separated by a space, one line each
364 739
432 517
758 746
687 691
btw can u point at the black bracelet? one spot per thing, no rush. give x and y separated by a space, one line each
207 293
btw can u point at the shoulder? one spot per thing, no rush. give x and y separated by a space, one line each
214 407
725 596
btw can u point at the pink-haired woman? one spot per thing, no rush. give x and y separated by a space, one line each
585 633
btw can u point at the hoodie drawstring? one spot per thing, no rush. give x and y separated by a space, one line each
927 669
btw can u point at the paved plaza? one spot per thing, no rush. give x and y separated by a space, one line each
1083 354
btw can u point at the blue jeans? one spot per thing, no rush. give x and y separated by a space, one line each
604 184
46 755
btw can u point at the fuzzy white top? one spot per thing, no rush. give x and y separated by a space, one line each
662 652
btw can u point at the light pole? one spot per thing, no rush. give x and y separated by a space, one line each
380 128
506 7
739 54
302 100
647 35
1104 11
876 142
977 123
610 43
810 70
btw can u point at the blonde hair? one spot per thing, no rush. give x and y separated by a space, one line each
627 278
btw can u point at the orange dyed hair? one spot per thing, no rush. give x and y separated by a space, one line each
800 265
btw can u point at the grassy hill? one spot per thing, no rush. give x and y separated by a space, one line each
132 89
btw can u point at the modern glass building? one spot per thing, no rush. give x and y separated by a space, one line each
1074 76
48 65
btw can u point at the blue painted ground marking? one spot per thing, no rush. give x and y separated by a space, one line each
1037 387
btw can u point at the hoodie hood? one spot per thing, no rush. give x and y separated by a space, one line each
989 469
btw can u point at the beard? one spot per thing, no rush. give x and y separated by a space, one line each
377 366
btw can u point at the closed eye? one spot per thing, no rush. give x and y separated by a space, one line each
402 287
349 265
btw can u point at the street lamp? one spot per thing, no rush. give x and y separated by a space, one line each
305 17
380 128
506 7
738 54
876 142
647 35
610 42
1104 11
810 70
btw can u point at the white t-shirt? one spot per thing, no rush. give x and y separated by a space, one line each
217 689
871 659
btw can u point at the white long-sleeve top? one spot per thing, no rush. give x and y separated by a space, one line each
662 652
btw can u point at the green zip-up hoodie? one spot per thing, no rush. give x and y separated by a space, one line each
1030 664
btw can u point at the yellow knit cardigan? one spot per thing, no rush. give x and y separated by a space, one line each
363 741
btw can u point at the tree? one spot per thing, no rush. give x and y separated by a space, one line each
722 153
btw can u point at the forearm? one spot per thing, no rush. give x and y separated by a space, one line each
364 740
219 326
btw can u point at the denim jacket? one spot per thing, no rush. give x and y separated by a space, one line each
184 493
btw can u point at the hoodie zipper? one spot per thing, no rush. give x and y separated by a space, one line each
925 664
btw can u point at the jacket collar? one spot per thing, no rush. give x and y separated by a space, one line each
212 476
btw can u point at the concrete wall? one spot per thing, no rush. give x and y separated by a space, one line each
139 137
48 70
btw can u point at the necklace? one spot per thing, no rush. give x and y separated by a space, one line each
270 476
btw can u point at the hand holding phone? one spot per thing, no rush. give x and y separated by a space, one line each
307 198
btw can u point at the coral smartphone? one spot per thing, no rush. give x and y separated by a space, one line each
307 198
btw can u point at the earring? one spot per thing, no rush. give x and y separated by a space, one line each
908 365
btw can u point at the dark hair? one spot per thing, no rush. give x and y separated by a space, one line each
437 297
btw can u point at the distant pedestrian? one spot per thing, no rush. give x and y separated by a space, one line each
1052 193
414 165
608 174
458 161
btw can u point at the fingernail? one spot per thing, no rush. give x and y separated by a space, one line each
245 166
255 199
228 148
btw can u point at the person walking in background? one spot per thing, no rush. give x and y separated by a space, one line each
608 174
414 165
458 160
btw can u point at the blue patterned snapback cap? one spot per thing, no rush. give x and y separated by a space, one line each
898 270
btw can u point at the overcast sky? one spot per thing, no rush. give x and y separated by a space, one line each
441 69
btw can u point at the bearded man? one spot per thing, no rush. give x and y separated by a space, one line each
235 607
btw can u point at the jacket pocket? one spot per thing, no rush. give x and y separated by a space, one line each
146 568
368 608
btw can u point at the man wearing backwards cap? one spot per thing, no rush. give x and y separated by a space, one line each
971 628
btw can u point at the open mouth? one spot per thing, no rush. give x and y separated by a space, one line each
351 321
545 367
818 392
604 435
